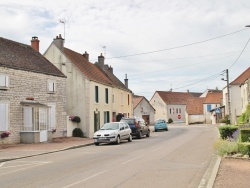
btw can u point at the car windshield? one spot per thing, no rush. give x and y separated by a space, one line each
158 121
110 126
128 121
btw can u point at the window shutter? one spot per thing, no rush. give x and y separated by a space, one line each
4 111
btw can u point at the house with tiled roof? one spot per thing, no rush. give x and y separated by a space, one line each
143 108
239 96
32 94
201 110
170 104
94 93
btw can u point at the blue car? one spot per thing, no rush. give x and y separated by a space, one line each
160 124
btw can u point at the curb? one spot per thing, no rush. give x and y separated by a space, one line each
48 152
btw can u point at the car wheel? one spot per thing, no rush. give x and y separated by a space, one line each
166 129
140 135
155 130
118 140
130 138
148 134
97 144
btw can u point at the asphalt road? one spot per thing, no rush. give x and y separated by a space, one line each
176 158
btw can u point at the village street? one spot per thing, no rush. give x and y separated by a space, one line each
179 157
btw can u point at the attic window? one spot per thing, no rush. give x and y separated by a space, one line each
4 81
51 86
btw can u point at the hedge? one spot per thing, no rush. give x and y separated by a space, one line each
244 148
227 131
245 135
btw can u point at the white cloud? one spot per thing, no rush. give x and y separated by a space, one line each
138 26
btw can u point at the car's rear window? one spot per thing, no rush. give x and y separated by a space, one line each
128 121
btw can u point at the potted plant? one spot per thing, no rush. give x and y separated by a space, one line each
5 134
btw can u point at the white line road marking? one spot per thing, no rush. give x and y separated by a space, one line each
19 170
85 179
1 164
132 160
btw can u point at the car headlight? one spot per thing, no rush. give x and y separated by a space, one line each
112 134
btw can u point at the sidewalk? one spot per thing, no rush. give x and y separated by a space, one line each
18 151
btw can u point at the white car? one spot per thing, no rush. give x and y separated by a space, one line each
113 132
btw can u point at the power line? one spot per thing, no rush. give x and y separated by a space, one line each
185 45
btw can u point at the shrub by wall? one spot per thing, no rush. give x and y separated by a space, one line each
77 132
227 131
245 135
244 148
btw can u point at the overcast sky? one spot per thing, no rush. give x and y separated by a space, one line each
161 44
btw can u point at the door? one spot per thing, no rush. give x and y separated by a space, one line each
96 121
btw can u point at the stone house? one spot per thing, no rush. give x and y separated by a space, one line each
93 93
172 105
32 94
142 108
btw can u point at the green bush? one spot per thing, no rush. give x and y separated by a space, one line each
245 135
223 147
244 148
77 132
244 118
170 120
227 131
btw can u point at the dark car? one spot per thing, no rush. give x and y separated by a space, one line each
138 126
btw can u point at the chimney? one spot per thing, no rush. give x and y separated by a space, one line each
110 69
101 61
59 42
86 55
35 43
126 81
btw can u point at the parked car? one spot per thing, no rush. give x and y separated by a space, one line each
160 124
112 132
138 126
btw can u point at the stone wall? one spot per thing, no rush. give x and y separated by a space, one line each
23 84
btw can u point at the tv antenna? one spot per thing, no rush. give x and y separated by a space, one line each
63 21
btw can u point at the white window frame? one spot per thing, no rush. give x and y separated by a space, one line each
51 86
4 116
4 81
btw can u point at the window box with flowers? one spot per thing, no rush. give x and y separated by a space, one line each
75 119
5 134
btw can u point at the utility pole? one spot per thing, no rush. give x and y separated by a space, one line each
228 96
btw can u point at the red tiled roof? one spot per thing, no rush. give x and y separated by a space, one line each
90 70
195 106
23 57
175 98
242 78
213 98
137 99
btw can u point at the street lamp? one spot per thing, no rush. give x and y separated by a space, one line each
228 93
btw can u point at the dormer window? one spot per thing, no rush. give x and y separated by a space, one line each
4 81
51 86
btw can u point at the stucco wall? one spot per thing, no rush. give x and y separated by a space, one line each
144 108
24 84
159 106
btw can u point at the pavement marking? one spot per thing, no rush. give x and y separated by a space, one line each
1 164
85 179
132 159
19 170
155 149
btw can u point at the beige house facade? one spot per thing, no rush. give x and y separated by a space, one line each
94 93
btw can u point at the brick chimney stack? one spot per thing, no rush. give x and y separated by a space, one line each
59 42
35 43
101 61
86 55
126 81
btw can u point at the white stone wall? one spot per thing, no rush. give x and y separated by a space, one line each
24 84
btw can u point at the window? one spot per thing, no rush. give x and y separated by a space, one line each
4 116
179 110
27 112
4 81
96 94
106 95
121 98
170 110
209 107
113 98
176 110
128 99
52 116
51 86
106 117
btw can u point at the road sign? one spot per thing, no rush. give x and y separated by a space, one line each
179 116
217 110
